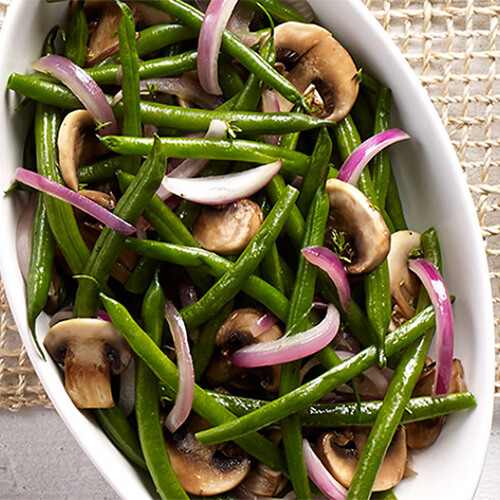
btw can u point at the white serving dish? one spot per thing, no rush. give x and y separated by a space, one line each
434 193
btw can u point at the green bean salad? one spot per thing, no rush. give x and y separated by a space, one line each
215 231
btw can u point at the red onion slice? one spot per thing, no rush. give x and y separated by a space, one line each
184 88
440 299
184 399
263 324
222 189
24 235
41 183
320 475
326 260
292 347
363 154
83 86
270 104
193 166
209 41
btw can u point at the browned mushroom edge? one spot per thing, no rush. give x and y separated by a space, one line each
205 470
352 213
227 229
322 68
90 349
234 334
340 450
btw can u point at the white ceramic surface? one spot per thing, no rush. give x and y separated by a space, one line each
434 193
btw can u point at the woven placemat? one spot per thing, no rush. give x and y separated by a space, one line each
452 47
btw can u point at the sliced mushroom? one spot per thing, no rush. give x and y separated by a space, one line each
263 481
321 63
421 435
205 470
106 200
352 213
70 143
404 285
340 451
227 229
235 333
90 349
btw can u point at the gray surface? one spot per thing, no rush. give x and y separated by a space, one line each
40 459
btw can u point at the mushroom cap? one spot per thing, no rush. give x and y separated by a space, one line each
90 349
321 61
404 285
235 333
340 451
205 470
70 144
263 481
227 229
420 435
353 213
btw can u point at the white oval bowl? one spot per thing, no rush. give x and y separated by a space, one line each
434 193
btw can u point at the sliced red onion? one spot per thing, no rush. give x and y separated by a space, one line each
270 104
141 227
193 166
41 183
320 475
83 86
363 154
209 41
290 348
184 399
126 398
440 299
223 189
326 260
24 235
185 88
263 324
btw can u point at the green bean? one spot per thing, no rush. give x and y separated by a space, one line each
109 244
141 276
229 79
203 349
119 430
381 165
248 98
300 305
231 282
130 82
393 205
153 68
213 149
77 36
281 12
384 495
369 82
310 392
317 172
40 269
147 407
252 61
271 268
162 115
101 170
362 113
214 264
157 37
388 418
60 214
254 444
361 414
378 304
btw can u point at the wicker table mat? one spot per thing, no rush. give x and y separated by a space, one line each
452 46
